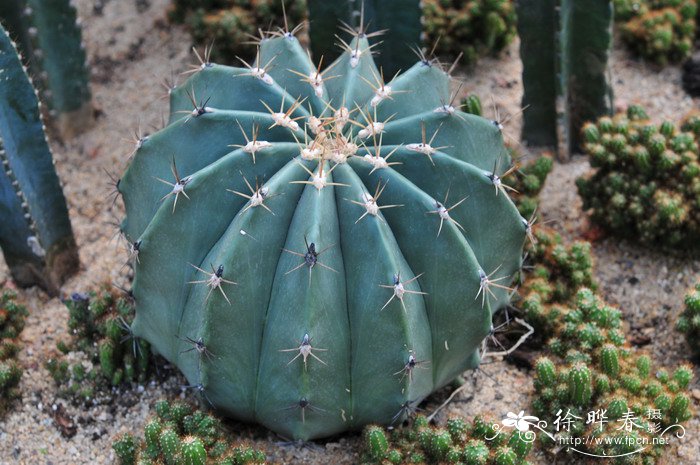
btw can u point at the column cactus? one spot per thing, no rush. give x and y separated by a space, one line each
36 235
319 253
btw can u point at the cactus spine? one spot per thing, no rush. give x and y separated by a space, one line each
371 279
49 36
36 235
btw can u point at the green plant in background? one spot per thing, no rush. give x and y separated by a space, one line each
593 370
346 278
554 272
180 435
473 28
659 30
457 442
564 46
646 180
399 19
100 324
12 316
49 37
227 25
689 321
35 232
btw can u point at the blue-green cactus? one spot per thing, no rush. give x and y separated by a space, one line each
35 235
50 38
317 254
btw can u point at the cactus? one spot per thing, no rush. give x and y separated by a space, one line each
227 25
180 435
473 28
49 36
689 321
459 443
100 323
646 180
369 256
36 235
576 39
400 18
660 30
595 371
12 316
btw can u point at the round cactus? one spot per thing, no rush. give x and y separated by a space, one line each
318 251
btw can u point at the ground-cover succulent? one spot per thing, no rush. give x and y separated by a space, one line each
689 321
646 180
319 251
181 435
659 30
458 442
100 326
471 28
595 384
12 316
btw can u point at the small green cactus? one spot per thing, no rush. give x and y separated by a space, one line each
659 30
689 321
12 316
471 28
100 323
180 435
644 186
459 443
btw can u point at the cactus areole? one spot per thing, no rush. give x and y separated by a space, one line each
319 250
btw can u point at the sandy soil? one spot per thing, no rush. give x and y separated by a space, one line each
132 49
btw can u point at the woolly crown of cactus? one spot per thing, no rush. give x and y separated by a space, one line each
318 250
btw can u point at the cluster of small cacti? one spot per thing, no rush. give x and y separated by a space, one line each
12 316
646 184
659 30
35 232
595 371
49 35
472 28
689 321
180 435
457 442
228 25
353 270
100 325
553 274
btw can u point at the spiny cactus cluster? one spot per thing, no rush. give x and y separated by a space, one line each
12 316
457 442
180 435
227 25
553 273
593 370
646 185
659 30
473 28
334 259
100 324
689 321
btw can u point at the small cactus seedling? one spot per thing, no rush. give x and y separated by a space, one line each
470 28
35 235
689 321
564 46
658 30
593 375
101 325
644 186
49 36
180 435
12 317
457 442
367 221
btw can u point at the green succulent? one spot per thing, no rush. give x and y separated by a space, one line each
689 321
12 317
